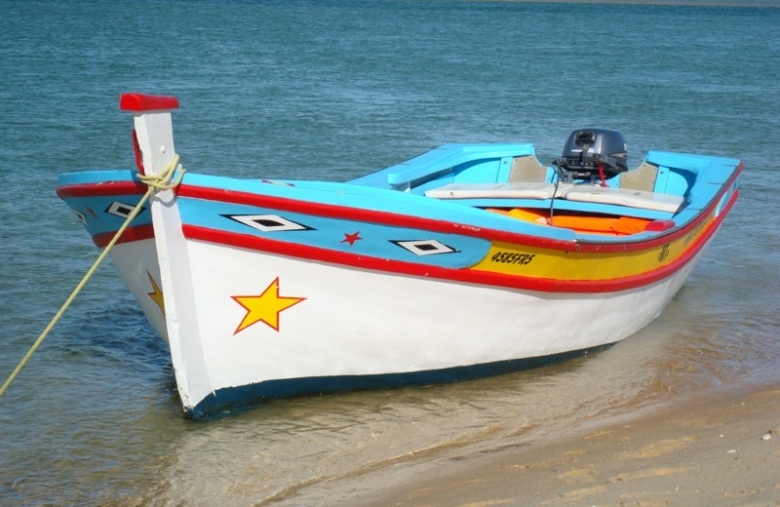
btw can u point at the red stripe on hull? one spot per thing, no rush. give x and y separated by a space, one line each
131 234
102 189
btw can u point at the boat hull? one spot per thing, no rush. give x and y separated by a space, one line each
262 318
359 329
467 260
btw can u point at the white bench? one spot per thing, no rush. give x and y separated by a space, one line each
639 199
625 197
520 190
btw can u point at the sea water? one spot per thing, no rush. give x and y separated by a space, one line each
331 90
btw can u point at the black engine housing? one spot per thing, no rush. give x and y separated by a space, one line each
587 149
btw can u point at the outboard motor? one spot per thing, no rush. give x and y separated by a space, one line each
592 153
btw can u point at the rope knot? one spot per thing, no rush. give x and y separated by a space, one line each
165 180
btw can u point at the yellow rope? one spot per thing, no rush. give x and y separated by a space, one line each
161 181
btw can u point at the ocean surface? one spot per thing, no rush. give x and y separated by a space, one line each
334 89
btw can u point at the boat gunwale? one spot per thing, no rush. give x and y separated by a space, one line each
580 244
480 277
584 245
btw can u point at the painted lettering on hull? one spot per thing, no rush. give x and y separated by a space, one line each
513 258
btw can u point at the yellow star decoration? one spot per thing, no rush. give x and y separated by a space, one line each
156 294
264 308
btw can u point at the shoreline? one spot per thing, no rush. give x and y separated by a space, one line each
703 449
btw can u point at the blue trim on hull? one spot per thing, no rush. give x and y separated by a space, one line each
222 401
376 240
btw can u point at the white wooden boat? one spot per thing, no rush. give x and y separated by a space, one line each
468 260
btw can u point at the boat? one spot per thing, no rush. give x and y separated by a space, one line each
466 261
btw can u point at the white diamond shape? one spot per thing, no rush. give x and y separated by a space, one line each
269 223
425 247
120 209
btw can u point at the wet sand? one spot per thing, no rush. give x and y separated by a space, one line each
715 450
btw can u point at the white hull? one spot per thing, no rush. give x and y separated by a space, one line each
137 264
363 323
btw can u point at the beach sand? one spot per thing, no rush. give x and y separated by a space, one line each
714 450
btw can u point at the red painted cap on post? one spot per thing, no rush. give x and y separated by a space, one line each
143 102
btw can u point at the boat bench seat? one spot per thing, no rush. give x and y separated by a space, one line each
516 190
580 193
641 199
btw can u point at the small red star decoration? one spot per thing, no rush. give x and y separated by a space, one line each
351 238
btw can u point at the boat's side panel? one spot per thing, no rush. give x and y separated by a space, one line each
136 262
573 265
265 318
413 245
343 234
102 201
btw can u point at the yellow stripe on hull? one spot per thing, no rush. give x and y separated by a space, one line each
537 262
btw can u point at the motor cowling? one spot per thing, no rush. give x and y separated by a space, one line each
589 151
